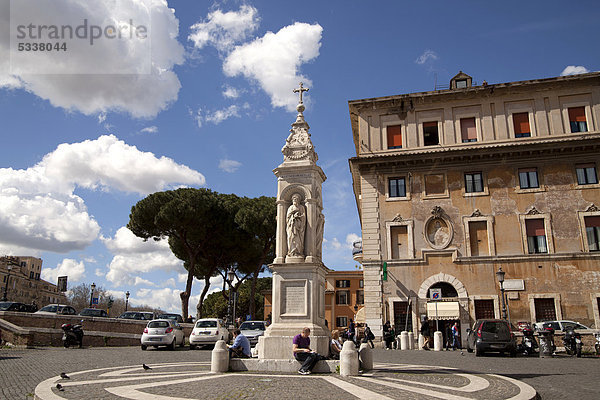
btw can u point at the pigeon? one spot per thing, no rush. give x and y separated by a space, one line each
462 354
59 387
64 376
146 367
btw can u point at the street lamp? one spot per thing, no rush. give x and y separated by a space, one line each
126 300
231 303
500 275
9 268
92 295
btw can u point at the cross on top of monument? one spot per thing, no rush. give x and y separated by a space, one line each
300 90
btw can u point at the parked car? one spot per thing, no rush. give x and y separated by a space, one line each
207 331
559 325
93 312
253 330
162 332
57 309
14 306
174 317
137 315
491 335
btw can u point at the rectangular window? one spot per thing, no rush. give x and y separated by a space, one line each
478 238
592 231
577 119
397 187
342 297
528 178
430 133
360 297
484 309
402 316
586 174
544 310
536 236
473 182
521 124
361 283
342 283
399 240
30 274
341 322
468 130
394 137
461 83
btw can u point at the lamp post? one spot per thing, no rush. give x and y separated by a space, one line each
9 268
126 300
92 295
231 303
500 275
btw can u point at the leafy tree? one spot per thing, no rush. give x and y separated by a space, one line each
186 217
215 304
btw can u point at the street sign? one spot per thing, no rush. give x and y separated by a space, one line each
95 300
62 283
435 294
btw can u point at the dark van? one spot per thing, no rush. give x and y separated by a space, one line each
491 335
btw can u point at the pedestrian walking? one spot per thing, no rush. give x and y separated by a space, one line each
426 332
455 336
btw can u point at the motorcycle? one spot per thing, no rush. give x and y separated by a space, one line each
597 345
73 335
528 345
572 342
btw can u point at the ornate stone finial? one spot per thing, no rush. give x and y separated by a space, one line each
298 145
397 218
476 213
533 211
437 211
592 208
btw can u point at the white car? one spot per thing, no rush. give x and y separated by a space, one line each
207 331
162 332
56 309
561 325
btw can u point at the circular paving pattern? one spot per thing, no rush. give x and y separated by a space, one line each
193 380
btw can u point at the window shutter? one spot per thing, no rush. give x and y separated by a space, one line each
521 123
592 222
467 129
535 227
394 136
577 114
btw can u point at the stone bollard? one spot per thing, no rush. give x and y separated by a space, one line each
403 340
348 359
411 341
438 341
365 357
220 357
421 342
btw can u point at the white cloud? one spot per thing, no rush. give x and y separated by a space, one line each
351 238
141 95
182 278
219 116
101 117
134 257
150 129
574 70
68 267
428 55
230 92
229 165
166 299
140 281
335 244
170 282
273 61
99 273
39 211
90 259
224 29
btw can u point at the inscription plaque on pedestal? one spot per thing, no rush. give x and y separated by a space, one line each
293 298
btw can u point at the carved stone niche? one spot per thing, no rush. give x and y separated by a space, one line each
438 231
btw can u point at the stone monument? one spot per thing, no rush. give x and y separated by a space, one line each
298 272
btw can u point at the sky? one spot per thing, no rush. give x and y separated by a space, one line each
199 94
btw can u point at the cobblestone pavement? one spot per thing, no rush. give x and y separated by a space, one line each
116 373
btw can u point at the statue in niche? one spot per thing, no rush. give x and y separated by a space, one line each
295 227
438 233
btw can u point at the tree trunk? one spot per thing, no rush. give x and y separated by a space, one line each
185 296
202 295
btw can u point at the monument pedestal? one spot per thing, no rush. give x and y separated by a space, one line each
298 302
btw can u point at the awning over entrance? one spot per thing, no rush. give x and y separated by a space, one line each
445 310
360 316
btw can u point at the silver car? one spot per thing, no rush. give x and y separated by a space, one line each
162 332
253 330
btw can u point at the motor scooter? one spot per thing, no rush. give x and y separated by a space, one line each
72 335
572 342
528 345
597 345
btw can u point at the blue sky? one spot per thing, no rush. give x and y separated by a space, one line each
216 107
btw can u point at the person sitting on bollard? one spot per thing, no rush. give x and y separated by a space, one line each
240 347
426 332
303 353
369 336
335 347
